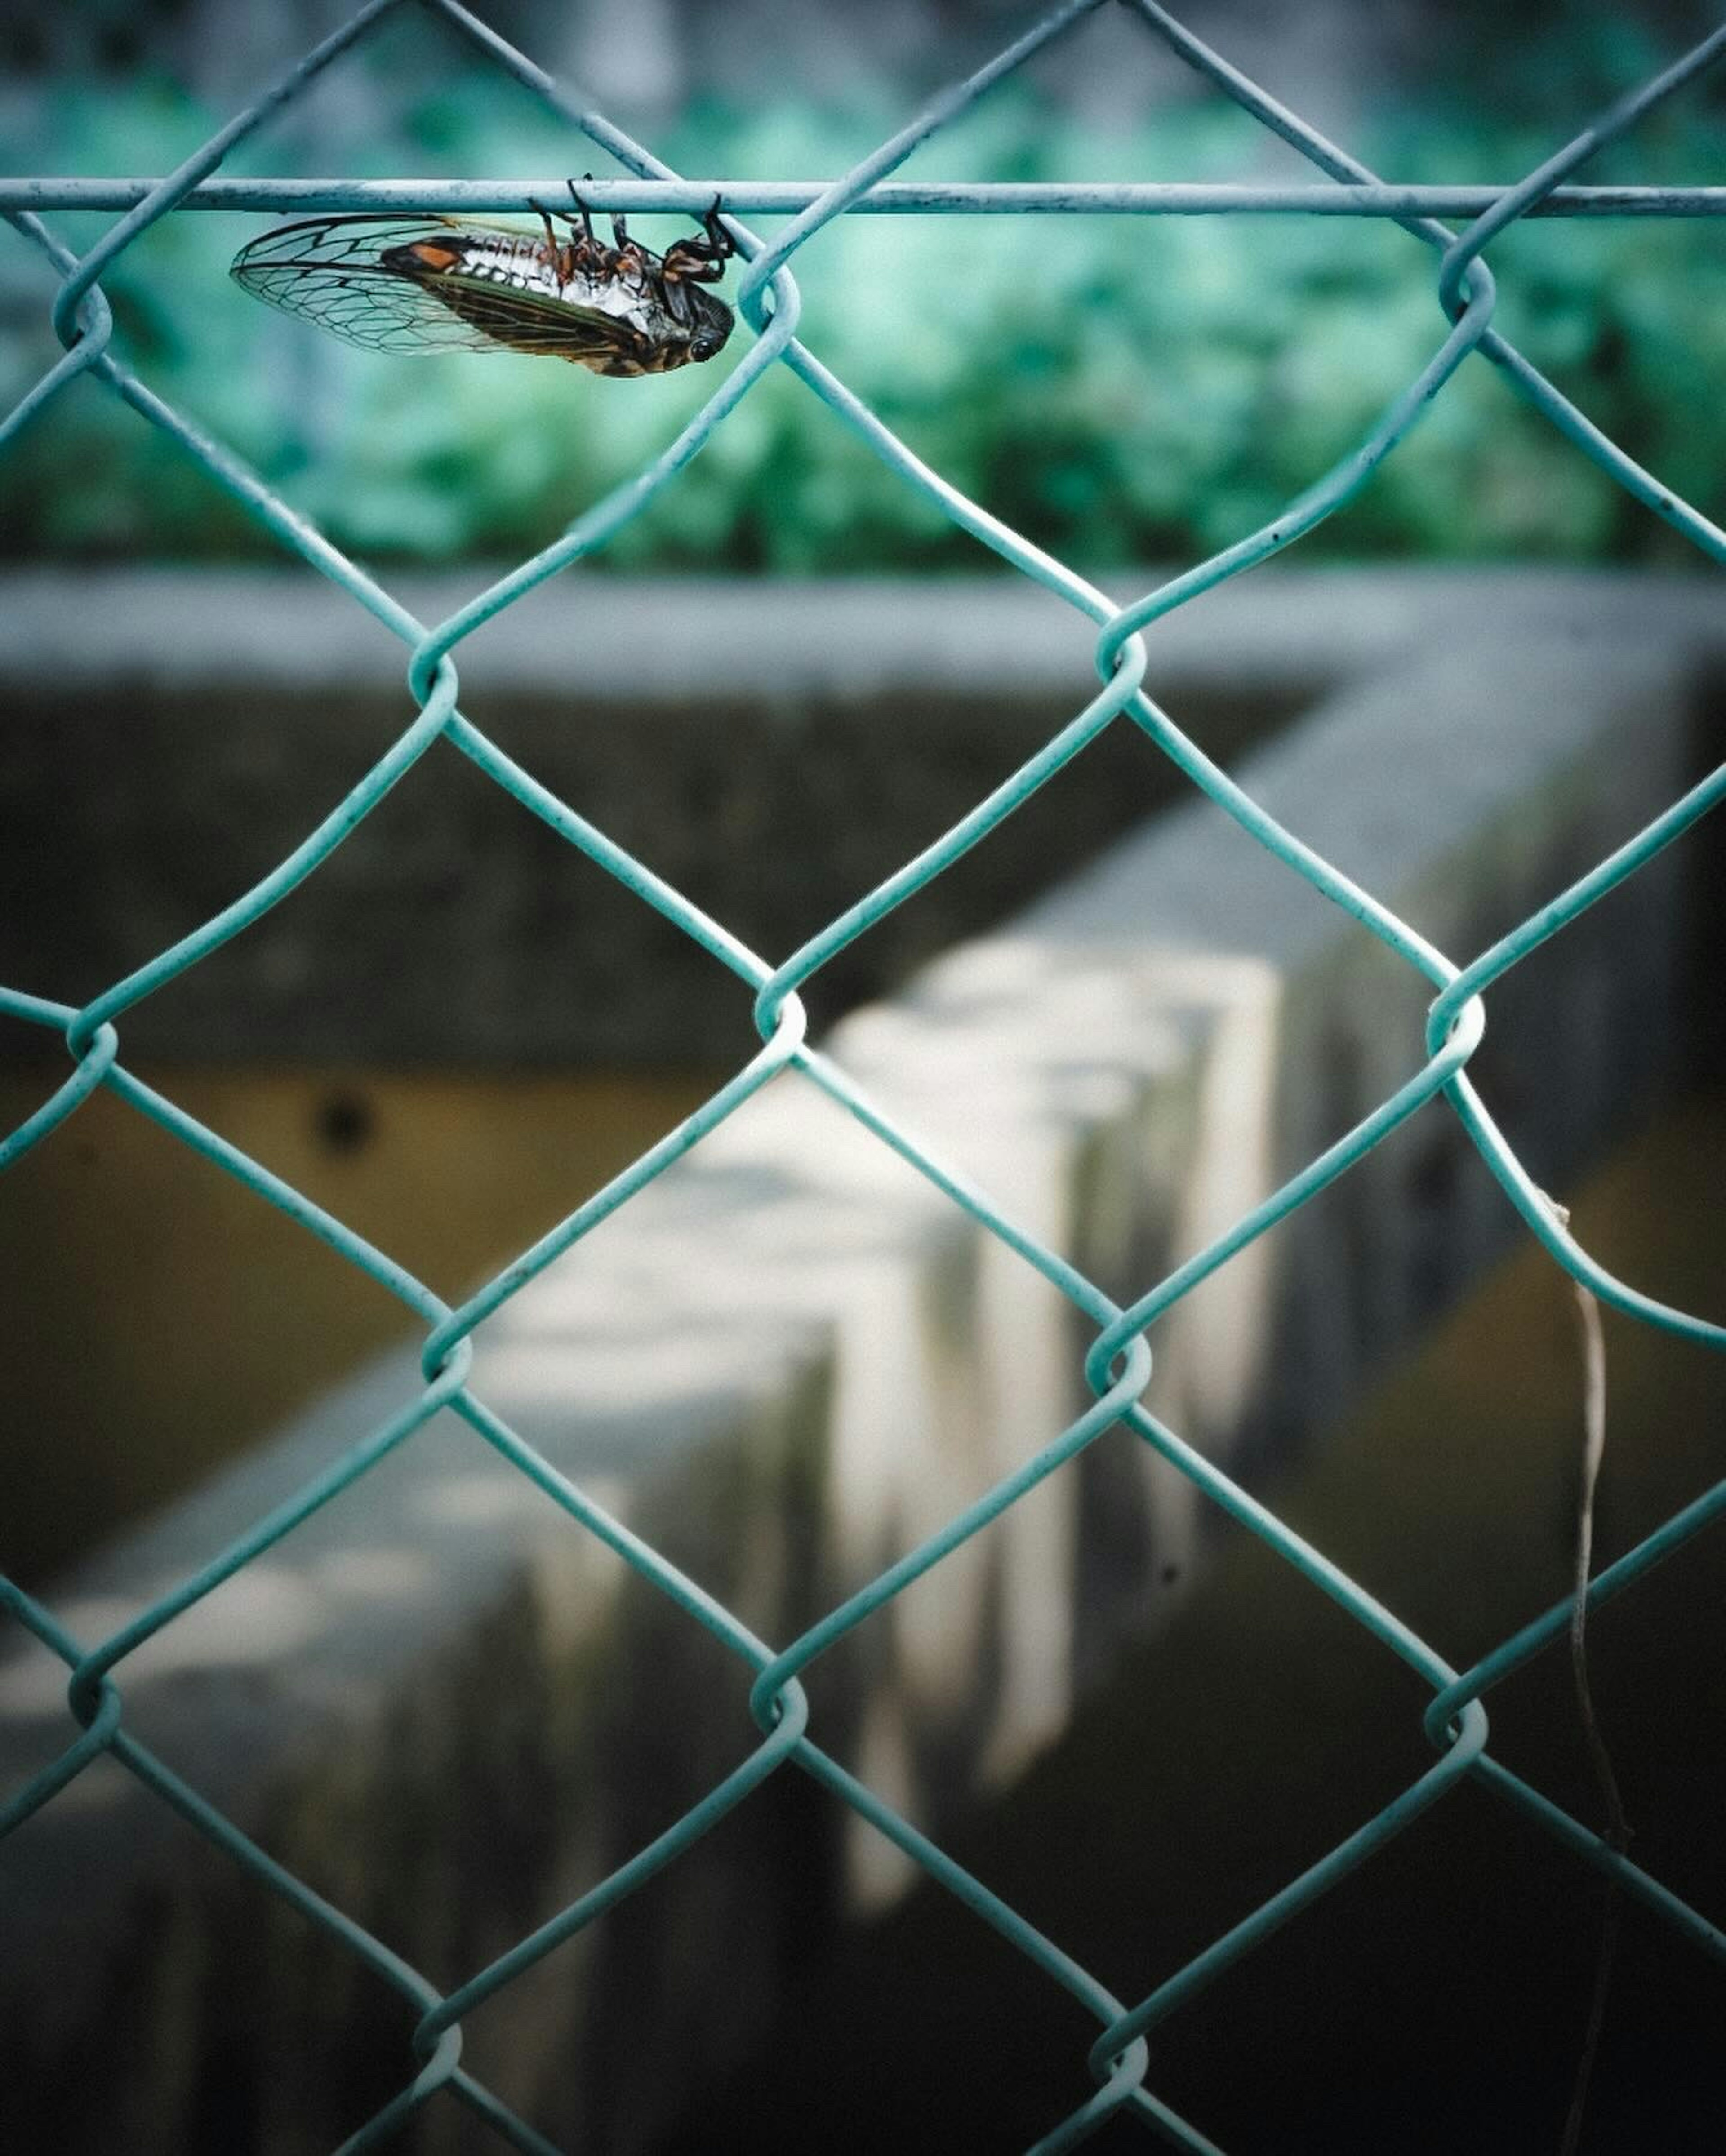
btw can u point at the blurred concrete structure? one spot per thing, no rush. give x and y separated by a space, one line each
789 1360
786 748
773 751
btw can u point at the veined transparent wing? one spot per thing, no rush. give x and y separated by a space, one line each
330 271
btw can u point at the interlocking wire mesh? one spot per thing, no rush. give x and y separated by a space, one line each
1118 1363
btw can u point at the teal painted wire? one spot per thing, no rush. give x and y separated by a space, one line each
99 1731
502 2121
1084 1295
335 1234
1334 1162
975 518
92 323
1494 962
1594 1850
1516 202
1338 486
425 658
1497 1154
1457 1023
1523 1646
96 328
93 1066
752 197
1494 346
969 831
756 1073
1073 1440
1118 629
252 1175
1116 2094
439 2071
311 853
598 524
1006 1921
439 706
431 669
303 538
203 161
945 107
1445 1726
280 1520
398 1975
633 874
91 1671
1310 1563
1502 1161
405 1980
1537 1213
1318 1879
48 1783
1491 966
1049 572
765 276
786 1710
694 1600
1063 578
1470 331
700 1820
640 161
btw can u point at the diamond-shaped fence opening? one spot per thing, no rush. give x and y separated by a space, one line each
1118 1362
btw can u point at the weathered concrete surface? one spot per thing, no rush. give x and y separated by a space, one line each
822 734
785 1363
825 732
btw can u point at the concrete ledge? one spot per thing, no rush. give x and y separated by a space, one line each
789 1361
588 638
773 750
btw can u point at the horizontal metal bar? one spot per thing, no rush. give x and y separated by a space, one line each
892 198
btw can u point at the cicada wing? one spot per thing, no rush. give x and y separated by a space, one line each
330 271
501 319
327 270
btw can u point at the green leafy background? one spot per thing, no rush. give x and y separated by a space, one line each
1121 390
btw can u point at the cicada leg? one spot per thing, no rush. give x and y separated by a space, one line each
702 259
562 259
719 240
586 254
624 258
582 211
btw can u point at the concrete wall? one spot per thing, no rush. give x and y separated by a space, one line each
822 734
442 1705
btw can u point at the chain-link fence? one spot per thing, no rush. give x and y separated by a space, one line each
1118 1363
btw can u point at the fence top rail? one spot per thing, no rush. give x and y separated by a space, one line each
890 198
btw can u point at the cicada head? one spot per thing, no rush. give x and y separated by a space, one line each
713 323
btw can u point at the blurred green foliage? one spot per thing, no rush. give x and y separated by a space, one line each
1120 390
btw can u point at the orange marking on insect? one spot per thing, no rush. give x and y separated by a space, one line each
432 256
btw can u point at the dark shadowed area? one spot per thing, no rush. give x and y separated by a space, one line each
1261 1727
480 1663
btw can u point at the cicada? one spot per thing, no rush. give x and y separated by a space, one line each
446 284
